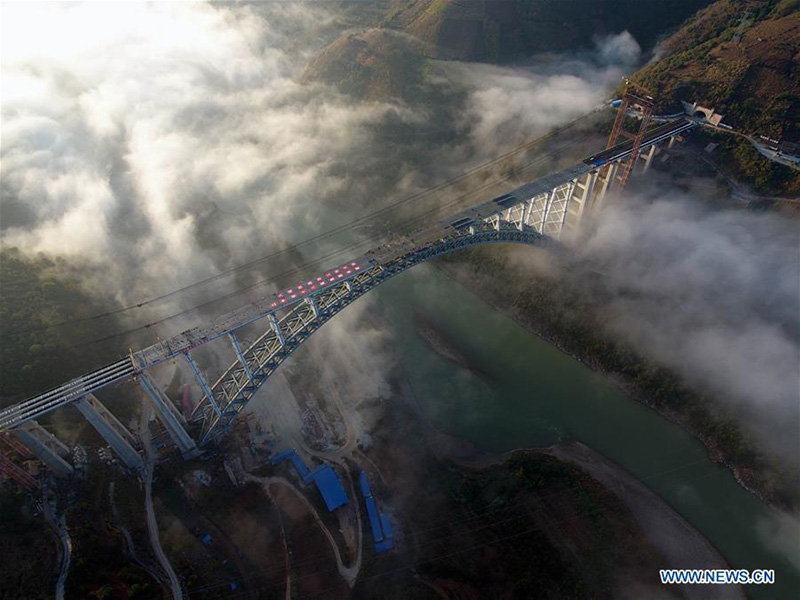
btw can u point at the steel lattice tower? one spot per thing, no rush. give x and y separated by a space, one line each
631 99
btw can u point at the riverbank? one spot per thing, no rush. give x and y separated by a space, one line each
680 543
767 482
539 395
677 541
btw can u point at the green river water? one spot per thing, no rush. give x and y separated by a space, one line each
532 395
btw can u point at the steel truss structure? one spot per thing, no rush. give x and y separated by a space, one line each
237 386
633 98
537 213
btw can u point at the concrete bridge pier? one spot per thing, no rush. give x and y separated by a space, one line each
647 157
203 383
169 416
112 431
583 196
607 180
47 448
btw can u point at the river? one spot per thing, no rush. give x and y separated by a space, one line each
523 392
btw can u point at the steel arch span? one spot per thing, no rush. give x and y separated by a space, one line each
537 213
240 382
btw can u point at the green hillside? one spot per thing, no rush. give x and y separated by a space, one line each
740 56
378 49
503 30
37 294
375 64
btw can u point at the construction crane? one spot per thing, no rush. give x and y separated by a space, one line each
638 98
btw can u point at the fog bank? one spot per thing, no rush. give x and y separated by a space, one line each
712 294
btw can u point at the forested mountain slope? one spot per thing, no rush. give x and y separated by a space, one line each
742 58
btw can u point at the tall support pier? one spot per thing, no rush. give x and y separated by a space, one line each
169 416
47 448
109 427
541 212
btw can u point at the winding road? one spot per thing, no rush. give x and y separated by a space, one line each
349 574
59 525
284 414
126 535
152 525
66 542
763 150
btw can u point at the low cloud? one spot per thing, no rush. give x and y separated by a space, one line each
713 294
168 142
621 49
514 103
160 144
781 535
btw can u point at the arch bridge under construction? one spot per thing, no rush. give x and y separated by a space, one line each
540 212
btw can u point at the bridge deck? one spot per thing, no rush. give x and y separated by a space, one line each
652 137
260 308
316 286
73 390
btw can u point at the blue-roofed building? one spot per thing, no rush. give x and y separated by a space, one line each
324 477
379 523
386 525
362 481
281 456
298 463
374 519
301 467
329 486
